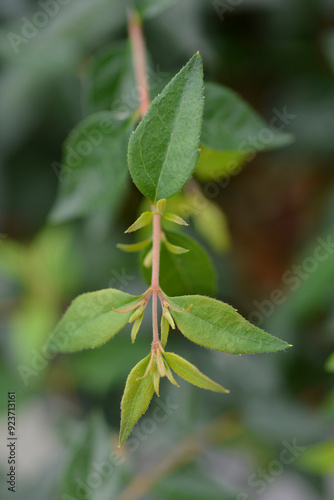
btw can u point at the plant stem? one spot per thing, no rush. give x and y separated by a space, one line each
139 61
155 275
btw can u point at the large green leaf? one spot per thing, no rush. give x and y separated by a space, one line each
217 325
191 374
136 398
110 81
90 321
163 151
94 171
232 132
186 273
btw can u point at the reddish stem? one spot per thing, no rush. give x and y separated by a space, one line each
139 59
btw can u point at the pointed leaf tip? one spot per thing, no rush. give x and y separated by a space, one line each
216 325
191 373
137 395
168 135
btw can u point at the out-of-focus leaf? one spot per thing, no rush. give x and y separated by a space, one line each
110 81
152 8
328 46
191 373
191 483
211 224
91 320
93 371
318 459
163 150
214 164
181 273
217 325
137 396
90 455
330 363
232 132
48 54
94 174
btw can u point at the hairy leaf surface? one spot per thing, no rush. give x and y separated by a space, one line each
191 373
217 325
90 320
136 398
163 150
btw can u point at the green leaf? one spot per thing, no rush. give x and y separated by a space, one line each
164 329
134 247
93 175
189 273
232 132
217 325
214 164
318 459
109 81
163 150
191 374
90 321
175 218
329 366
152 8
174 248
136 398
143 220
212 225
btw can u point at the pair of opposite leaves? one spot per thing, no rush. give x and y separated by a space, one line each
163 153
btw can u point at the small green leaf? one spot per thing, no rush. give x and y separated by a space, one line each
90 321
175 218
161 205
164 328
166 314
143 220
136 398
191 272
217 325
134 247
175 249
94 174
191 374
135 328
147 262
163 150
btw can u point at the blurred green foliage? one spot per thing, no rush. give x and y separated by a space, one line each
276 55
